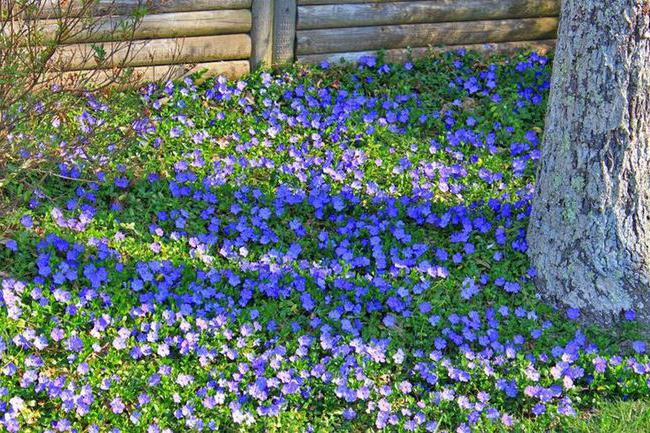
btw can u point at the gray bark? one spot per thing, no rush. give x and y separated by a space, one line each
589 233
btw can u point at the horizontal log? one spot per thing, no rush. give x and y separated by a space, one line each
76 80
167 25
199 49
403 54
413 12
422 35
57 8
231 69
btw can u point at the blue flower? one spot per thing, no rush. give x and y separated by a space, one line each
639 346
121 182
630 315
74 344
27 221
573 313
11 245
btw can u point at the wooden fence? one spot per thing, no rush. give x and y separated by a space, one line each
231 36
334 29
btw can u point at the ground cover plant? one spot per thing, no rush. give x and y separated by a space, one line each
305 250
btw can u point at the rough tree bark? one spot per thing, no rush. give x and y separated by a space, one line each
589 233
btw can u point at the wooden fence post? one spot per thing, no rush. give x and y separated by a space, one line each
262 33
284 31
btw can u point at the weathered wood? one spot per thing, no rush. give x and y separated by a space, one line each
589 231
420 35
262 33
413 12
199 49
57 8
284 31
403 54
231 69
170 25
81 79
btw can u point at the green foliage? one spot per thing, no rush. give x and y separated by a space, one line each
161 129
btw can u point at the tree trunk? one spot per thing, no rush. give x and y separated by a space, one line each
589 233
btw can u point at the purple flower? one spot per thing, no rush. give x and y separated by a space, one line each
121 182
27 221
389 321
565 408
95 275
469 288
573 313
405 387
507 420
184 379
11 245
307 301
175 132
57 334
539 409
511 287
74 344
600 364
117 406
349 414
639 346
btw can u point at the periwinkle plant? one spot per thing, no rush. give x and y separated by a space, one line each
332 249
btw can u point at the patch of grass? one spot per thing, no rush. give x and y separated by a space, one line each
612 417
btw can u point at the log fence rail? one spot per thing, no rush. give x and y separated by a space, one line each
233 36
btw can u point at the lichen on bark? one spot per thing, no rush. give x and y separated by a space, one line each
589 232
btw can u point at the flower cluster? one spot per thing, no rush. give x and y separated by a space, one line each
332 249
